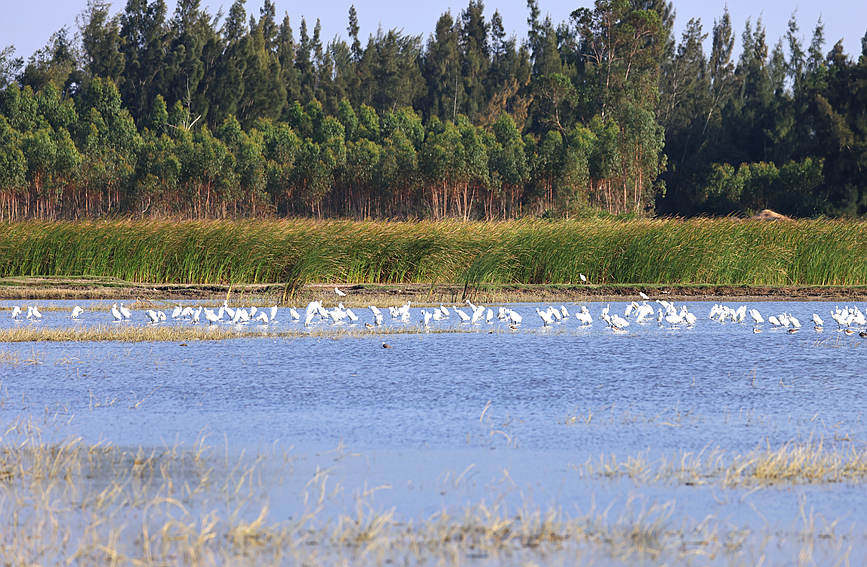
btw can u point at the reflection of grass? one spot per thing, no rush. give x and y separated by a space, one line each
76 503
791 463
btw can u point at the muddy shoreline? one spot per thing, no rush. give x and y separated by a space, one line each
81 288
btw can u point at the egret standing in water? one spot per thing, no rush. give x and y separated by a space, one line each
76 311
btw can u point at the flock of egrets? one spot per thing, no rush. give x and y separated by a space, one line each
849 319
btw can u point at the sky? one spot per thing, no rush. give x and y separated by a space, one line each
28 24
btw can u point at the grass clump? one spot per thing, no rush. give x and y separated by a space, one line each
295 252
71 502
790 463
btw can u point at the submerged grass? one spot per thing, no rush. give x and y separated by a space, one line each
296 252
790 463
70 502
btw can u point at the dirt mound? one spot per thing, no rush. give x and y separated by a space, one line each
768 214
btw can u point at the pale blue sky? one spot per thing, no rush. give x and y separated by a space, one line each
27 24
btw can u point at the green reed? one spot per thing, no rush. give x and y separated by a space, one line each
294 252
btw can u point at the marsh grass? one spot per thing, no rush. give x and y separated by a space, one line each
790 463
133 334
70 502
295 252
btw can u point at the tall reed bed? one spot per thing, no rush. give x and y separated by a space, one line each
697 251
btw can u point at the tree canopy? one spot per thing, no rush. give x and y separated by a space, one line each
247 113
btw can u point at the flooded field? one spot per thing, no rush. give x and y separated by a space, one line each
510 441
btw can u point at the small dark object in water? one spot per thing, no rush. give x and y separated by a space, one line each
183 344
863 334
386 345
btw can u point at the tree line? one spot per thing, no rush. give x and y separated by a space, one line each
200 115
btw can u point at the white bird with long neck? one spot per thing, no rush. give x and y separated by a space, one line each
153 316
547 318
756 316
210 316
339 292
115 312
76 312
16 312
464 317
124 311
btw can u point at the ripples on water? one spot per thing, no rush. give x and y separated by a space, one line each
413 415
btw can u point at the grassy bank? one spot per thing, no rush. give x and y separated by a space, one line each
297 252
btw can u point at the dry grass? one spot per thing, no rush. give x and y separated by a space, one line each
95 504
124 333
791 463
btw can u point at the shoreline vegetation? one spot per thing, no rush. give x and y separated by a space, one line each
524 260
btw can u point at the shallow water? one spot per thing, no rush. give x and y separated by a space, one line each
518 412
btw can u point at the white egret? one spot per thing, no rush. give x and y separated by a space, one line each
153 316
294 314
273 314
618 322
547 318
16 312
210 316
36 313
115 312
583 277
817 321
176 312
76 311
643 295
464 317
262 317
339 292
352 316
756 316
124 311
515 317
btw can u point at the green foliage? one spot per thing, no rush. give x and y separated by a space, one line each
148 112
608 251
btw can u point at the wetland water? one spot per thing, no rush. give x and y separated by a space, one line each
519 418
